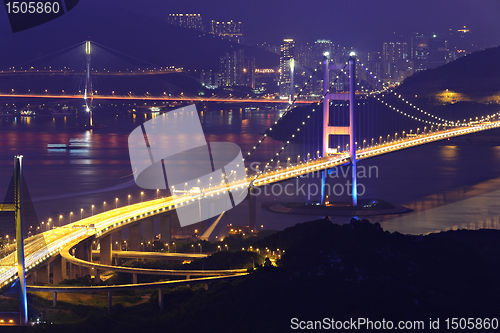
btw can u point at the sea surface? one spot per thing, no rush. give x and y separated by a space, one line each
449 184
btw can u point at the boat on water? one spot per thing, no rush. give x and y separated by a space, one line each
75 143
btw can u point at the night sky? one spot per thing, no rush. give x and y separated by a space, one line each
362 24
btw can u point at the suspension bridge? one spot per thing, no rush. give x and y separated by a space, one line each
335 116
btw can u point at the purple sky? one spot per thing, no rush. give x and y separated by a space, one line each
360 23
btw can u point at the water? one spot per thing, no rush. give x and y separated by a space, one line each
64 181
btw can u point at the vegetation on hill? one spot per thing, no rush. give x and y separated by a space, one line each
476 75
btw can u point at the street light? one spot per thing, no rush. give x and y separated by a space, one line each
201 247
48 224
92 210
70 215
142 195
60 217
104 205
81 213
157 190
175 247
129 199
227 248
116 203
192 245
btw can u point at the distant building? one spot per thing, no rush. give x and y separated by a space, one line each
395 60
270 48
208 78
286 63
419 47
304 55
249 71
439 52
232 69
232 31
189 21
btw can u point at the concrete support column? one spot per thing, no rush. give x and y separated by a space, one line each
97 276
134 241
160 297
42 274
30 279
83 252
117 240
148 231
54 299
105 250
134 278
166 229
252 209
72 271
57 273
110 301
64 269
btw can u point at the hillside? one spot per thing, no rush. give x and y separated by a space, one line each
476 75
356 270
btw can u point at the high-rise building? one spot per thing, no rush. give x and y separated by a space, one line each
232 31
232 69
419 47
190 21
304 55
439 52
249 71
286 63
393 52
395 60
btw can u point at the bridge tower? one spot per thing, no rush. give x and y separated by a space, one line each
21 272
339 130
88 82
292 90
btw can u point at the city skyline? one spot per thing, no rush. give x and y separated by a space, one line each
370 24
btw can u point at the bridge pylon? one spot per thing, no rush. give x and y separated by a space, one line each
88 79
21 269
339 130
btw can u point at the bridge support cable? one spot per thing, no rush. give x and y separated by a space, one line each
66 50
318 103
406 101
288 110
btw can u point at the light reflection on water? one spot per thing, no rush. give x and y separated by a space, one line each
425 178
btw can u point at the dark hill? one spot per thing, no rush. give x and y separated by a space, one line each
476 75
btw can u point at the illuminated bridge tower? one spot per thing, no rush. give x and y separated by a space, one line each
339 130
88 82
17 208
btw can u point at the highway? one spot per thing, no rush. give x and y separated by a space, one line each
60 240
